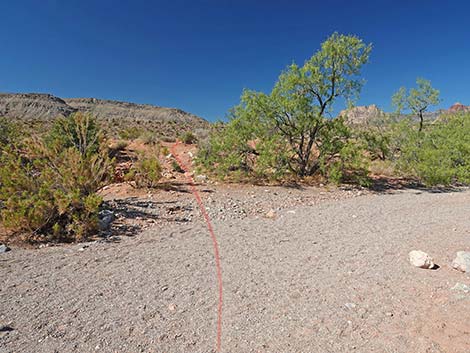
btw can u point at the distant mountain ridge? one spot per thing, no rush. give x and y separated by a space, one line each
362 115
46 107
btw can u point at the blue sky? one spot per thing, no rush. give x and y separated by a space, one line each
199 55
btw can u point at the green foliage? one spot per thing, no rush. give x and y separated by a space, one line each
48 189
286 131
146 172
9 133
188 138
440 155
79 131
149 138
130 133
418 100
176 167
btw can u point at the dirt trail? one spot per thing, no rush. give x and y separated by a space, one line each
329 277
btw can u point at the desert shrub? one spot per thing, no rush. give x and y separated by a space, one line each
440 154
130 133
188 137
149 138
9 132
119 145
79 131
48 190
168 139
176 167
165 151
146 172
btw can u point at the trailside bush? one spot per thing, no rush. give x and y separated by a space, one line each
188 138
79 131
146 172
48 190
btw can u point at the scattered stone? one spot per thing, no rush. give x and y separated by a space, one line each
172 307
82 248
164 288
201 178
350 306
461 287
270 214
106 217
462 261
4 248
421 259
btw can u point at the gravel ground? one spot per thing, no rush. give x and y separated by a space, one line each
329 273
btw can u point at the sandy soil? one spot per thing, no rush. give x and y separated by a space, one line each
329 273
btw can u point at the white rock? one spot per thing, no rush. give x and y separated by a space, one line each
420 259
462 261
200 178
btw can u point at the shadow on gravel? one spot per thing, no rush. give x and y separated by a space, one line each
387 186
134 213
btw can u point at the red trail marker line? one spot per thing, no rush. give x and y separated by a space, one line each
194 191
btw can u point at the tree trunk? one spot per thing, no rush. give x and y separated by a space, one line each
421 121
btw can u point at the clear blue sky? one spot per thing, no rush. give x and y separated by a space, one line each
199 55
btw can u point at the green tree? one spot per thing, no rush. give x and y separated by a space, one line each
291 122
418 100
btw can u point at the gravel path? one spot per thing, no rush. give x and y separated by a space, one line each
332 276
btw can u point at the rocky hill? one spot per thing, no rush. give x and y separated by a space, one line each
361 115
32 106
371 114
35 107
459 107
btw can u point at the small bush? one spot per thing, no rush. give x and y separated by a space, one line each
130 133
165 151
48 190
119 145
79 131
188 138
146 171
9 132
168 139
176 167
149 138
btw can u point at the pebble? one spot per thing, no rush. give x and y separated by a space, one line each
4 248
270 214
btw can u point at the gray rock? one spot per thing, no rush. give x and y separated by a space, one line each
106 217
420 259
4 248
461 288
462 261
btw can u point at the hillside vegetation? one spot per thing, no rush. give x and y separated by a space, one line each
56 154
